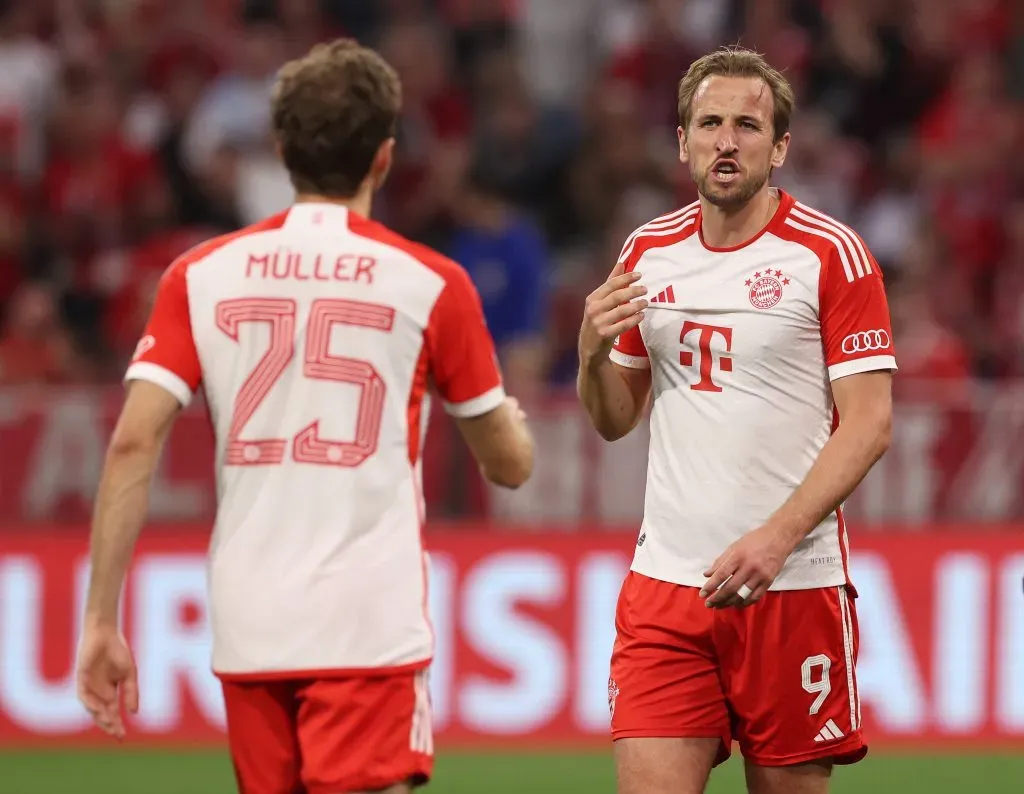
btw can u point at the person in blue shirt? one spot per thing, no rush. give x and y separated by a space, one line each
506 256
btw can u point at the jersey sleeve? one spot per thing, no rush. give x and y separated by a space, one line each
855 327
629 349
460 350
166 354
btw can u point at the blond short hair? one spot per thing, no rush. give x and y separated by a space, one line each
737 62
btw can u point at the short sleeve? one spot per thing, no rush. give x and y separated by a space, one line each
166 354
629 349
855 327
460 350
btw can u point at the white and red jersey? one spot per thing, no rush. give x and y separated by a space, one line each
743 344
314 335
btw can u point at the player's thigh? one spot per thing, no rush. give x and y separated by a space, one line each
810 778
664 765
401 788
668 710
261 727
365 734
791 678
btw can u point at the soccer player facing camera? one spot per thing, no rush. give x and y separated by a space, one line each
758 331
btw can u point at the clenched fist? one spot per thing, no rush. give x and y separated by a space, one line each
611 309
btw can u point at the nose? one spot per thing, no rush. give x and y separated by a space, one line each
726 141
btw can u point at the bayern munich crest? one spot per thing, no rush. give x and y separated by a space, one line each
766 288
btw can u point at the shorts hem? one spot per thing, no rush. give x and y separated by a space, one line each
788 582
328 673
671 733
841 754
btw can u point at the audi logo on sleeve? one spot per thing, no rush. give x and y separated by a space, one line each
866 341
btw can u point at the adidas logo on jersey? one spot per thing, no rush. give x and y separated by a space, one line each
667 295
829 733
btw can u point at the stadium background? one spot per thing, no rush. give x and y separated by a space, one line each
536 135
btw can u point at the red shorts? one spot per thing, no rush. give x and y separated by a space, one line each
327 736
777 676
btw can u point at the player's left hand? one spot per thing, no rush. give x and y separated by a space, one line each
743 572
105 673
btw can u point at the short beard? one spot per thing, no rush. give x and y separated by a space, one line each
733 199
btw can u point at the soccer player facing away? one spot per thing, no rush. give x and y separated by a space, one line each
314 335
759 330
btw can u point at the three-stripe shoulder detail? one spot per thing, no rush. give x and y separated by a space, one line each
850 248
663 226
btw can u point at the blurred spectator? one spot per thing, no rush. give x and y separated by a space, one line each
229 132
433 134
178 81
892 206
29 69
504 253
133 286
305 23
822 165
970 183
522 146
478 27
34 347
652 63
13 220
862 73
96 187
614 159
927 349
1009 290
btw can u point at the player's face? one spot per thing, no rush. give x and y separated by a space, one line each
729 144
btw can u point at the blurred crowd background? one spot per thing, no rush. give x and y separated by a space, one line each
536 135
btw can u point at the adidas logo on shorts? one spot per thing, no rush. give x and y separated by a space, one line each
829 733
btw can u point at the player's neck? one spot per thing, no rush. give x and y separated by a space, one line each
361 203
722 228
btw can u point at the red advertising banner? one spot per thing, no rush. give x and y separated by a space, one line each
524 631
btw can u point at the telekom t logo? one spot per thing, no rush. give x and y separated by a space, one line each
707 359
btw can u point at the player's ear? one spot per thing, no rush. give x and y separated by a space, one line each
780 150
382 163
684 153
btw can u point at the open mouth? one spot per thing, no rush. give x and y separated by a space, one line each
726 171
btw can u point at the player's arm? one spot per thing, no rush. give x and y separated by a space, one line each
856 334
500 443
864 403
162 378
121 503
465 372
614 379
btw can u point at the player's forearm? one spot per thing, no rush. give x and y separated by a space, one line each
843 462
118 517
516 464
607 398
